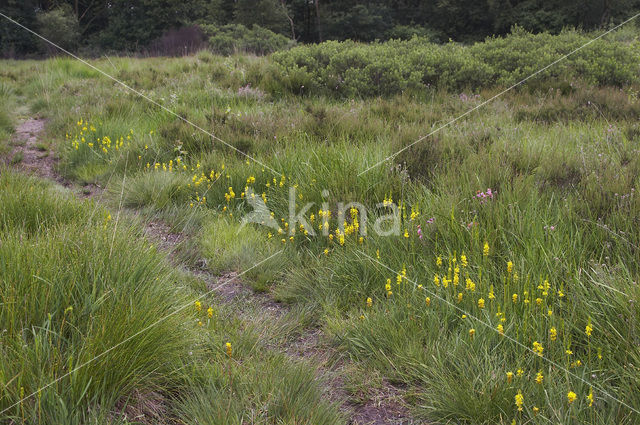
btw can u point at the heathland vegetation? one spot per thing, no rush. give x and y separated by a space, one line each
508 294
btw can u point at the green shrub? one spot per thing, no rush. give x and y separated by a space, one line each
230 39
384 69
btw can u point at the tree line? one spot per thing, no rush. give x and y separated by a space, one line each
131 25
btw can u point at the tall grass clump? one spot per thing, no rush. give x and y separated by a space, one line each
72 292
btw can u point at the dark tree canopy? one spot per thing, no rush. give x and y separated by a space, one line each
129 25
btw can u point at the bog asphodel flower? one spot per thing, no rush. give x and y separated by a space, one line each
198 305
481 303
539 378
210 312
369 302
485 249
472 332
509 377
427 301
228 348
538 348
571 397
509 267
553 334
519 399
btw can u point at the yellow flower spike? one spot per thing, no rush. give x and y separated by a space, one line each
571 397
210 312
536 410
438 261
485 249
472 332
519 400
509 267
198 306
509 377
199 322
539 378
519 373
369 302
588 329
538 348
228 349
481 303
590 397
514 298
500 329
427 301
553 334
459 298
463 260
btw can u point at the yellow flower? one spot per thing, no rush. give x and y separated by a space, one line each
571 397
427 301
514 298
519 400
463 260
481 303
436 280
438 261
538 348
210 312
553 334
588 329
536 410
459 296
520 373
228 347
509 267
539 378
472 332
198 306
590 397
369 302
485 249
509 377
500 329
326 251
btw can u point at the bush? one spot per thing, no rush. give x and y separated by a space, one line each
230 39
381 69
179 42
60 26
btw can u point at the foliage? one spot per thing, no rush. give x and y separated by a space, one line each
382 69
230 39
60 26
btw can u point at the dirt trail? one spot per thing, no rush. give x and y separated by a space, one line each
383 406
30 156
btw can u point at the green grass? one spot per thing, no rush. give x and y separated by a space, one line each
563 166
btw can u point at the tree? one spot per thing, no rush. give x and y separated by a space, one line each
60 26
265 13
15 41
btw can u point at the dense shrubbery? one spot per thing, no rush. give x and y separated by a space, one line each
350 69
232 38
